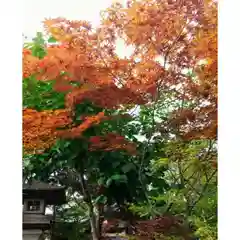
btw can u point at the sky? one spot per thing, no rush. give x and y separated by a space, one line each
36 12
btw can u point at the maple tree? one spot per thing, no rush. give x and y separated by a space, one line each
93 77
85 65
37 125
181 35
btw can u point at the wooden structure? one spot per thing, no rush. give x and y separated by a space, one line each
36 197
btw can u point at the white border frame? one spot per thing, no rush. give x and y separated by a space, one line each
229 122
11 119
11 124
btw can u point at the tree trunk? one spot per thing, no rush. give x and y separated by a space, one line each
94 227
94 223
94 219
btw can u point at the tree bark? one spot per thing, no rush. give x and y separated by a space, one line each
94 223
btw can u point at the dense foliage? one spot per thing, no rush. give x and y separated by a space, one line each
134 138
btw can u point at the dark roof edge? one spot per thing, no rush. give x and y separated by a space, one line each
37 185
